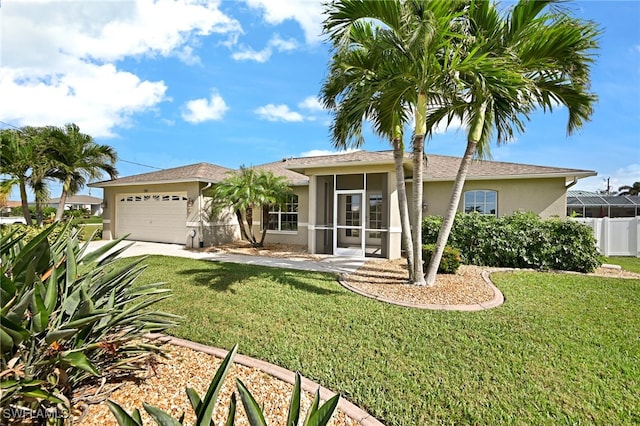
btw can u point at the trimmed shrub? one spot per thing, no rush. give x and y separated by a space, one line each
450 258
521 240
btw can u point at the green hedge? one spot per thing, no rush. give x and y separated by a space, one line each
450 259
521 240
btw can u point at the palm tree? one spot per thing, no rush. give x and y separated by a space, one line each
630 190
275 191
77 159
247 189
354 97
25 160
17 158
413 35
534 57
42 170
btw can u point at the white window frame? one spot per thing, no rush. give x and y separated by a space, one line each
483 204
293 200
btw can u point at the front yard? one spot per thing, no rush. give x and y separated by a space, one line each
563 348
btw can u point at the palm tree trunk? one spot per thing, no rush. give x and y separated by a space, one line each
418 172
264 221
248 216
407 241
63 200
39 211
243 231
25 203
443 236
61 203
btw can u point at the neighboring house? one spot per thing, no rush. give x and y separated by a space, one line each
5 208
343 204
591 204
79 202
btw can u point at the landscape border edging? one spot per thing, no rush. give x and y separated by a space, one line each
498 297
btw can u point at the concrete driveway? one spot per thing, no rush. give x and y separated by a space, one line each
331 264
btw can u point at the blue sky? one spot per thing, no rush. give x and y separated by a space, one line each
169 83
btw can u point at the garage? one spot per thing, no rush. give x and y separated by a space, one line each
157 217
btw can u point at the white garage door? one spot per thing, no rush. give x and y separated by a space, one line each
152 217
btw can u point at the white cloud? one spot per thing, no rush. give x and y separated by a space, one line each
311 103
40 99
248 54
276 43
320 152
282 112
199 110
187 56
307 13
273 112
58 58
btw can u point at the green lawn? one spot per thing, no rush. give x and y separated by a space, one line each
628 263
563 349
88 229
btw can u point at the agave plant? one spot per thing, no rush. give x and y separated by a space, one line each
69 315
316 416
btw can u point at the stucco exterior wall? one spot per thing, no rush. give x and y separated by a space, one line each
298 237
545 197
208 232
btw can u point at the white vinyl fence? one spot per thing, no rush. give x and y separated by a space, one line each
616 236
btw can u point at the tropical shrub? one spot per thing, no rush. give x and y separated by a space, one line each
27 233
521 240
46 211
317 415
69 316
450 258
76 213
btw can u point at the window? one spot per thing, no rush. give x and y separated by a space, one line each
375 214
285 218
481 201
352 215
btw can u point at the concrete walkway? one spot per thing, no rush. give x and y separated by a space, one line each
331 264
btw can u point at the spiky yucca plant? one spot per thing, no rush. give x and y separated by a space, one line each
318 415
68 315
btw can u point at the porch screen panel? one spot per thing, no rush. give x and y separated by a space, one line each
344 182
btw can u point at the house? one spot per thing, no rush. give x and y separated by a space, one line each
343 204
166 206
7 205
79 202
591 204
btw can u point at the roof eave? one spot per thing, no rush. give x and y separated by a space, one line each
149 182
579 174
302 168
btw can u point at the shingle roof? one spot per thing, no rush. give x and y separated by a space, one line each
200 172
445 168
439 168
78 199
294 167
279 168
341 158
